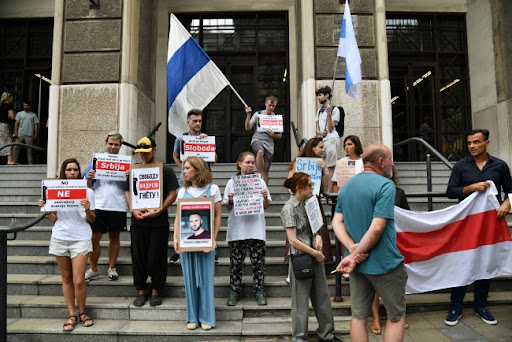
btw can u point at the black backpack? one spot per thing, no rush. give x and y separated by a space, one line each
340 127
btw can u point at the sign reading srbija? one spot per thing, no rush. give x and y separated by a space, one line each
145 186
194 146
63 194
111 167
311 167
273 122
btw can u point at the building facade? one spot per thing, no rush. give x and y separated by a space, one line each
433 69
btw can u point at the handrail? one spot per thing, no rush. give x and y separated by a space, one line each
427 145
37 148
295 131
35 221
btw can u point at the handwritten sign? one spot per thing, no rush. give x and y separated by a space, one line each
344 170
314 214
247 199
311 167
194 146
195 224
63 194
145 186
273 122
111 167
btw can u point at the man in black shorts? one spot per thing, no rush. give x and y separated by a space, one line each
110 214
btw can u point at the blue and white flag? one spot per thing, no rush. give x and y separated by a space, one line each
348 48
193 80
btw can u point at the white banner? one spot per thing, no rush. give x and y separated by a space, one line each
113 167
273 122
63 194
314 214
145 186
194 146
248 199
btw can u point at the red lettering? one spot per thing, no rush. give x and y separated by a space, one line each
199 148
149 185
112 166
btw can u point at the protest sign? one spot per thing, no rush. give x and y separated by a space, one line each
63 194
146 186
344 170
194 146
314 214
247 199
195 228
273 122
311 167
111 167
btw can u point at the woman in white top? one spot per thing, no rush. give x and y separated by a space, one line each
246 233
71 245
354 150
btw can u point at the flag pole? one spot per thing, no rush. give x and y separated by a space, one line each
238 95
334 76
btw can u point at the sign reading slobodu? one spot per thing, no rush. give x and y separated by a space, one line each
146 186
194 146
314 214
63 194
273 122
195 218
111 167
311 167
247 199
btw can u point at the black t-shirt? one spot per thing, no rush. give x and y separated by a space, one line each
4 112
169 183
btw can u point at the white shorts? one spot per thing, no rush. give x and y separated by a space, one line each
70 248
331 151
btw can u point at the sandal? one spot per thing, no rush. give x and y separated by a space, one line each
84 319
376 329
70 324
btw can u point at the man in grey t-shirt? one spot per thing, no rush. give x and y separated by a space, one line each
25 130
262 143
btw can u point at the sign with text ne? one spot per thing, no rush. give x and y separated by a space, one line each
63 194
112 167
194 146
247 199
273 122
145 186
311 167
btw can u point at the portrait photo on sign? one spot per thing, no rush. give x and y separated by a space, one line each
196 222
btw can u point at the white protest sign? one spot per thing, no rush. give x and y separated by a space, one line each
145 186
63 194
314 214
344 170
311 167
194 146
111 167
273 122
247 199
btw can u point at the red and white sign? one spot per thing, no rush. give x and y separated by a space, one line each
111 167
273 122
63 194
454 246
194 146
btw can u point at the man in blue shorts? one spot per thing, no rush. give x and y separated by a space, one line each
364 223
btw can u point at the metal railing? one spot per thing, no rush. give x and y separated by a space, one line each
295 131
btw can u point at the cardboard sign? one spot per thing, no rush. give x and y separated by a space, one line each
247 199
311 167
344 170
146 186
314 214
195 228
63 194
112 167
273 122
194 146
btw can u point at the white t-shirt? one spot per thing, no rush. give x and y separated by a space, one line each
196 192
110 196
73 225
321 119
359 167
244 227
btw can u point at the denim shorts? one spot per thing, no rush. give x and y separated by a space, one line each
70 248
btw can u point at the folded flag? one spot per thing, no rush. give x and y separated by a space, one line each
193 80
454 246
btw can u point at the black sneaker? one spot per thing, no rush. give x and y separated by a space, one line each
261 298
486 316
140 300
334 339
232 299
175 259
155 300
216 258
453 317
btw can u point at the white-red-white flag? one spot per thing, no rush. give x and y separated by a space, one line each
454 246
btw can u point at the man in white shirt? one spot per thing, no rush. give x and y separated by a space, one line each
25 131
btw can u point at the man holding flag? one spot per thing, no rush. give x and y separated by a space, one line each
469 175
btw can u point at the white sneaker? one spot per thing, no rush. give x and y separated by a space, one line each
91 275
112 274
288 279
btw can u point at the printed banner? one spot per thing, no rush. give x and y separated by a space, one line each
145 186
63 194
273 122
344 170
112 167
196 224
193 146
314 214
311 167
247 199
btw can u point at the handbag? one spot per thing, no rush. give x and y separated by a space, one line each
303 266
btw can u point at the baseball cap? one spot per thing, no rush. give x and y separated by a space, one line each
145 144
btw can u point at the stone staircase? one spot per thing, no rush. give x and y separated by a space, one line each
36 308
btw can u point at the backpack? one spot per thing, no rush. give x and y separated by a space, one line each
340 127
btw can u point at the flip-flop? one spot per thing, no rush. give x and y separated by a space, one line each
72 324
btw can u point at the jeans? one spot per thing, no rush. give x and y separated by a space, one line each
481 293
